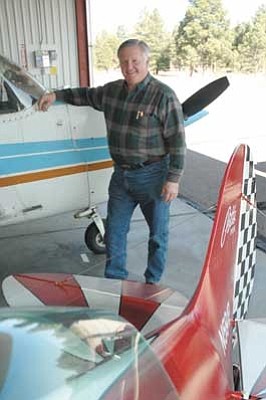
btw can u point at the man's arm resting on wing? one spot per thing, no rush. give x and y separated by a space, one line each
80 96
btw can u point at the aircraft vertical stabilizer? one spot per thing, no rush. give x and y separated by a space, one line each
206 327
246 257
227 279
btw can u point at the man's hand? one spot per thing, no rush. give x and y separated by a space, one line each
170 191
45 101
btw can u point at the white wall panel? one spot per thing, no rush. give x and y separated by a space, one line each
30 25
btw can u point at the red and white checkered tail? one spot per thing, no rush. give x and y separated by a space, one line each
246 257
226 281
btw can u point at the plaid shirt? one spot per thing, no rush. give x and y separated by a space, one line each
143 123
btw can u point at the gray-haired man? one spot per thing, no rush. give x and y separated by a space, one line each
146 140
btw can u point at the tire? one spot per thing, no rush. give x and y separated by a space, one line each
94 240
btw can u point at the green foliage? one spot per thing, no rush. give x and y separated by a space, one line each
203 40
150 28
250 43
105 51
122 33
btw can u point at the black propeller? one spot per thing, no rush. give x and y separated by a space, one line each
203 97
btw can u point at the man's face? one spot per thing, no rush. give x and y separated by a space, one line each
133 64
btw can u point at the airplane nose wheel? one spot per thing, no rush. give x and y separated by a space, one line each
94 239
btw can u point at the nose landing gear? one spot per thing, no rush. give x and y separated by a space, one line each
94 239
94 234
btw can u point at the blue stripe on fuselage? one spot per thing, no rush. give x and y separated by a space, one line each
25 157
53 145
19 158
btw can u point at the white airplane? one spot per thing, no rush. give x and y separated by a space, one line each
55 162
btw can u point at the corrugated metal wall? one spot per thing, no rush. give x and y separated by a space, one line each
27 26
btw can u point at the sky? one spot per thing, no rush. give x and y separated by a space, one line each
108 14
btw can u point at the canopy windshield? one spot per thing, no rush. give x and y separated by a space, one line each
18 89
67 353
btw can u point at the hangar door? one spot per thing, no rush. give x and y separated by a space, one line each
40 35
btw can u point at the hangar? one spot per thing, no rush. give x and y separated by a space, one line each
45 63
50 39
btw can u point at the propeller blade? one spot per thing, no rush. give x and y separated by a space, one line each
204 96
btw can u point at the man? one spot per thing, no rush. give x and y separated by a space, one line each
146 140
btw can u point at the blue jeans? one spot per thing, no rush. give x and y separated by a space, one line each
127 189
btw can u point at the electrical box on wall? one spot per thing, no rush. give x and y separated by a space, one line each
46 61
42 59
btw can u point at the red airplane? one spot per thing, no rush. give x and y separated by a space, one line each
112 340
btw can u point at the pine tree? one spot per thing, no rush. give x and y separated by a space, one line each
150 28
204 38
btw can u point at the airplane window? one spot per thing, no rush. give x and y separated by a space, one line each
23 99
8 103
19 89
3 94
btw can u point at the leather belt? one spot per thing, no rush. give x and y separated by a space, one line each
141 165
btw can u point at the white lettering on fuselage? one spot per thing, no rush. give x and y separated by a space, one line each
229 224
224 329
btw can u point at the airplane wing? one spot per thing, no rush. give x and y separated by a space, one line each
145 306
195 117
252 336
